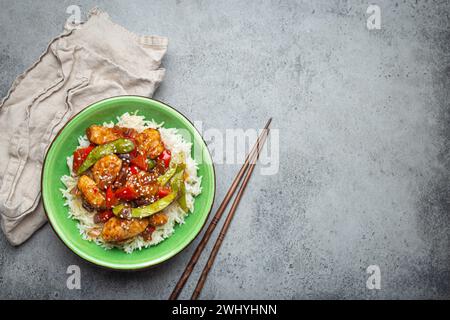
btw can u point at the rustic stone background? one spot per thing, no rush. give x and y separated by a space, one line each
364 128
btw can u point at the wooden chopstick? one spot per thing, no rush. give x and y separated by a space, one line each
201 246
223 231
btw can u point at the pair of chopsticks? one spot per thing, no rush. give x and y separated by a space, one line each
247 170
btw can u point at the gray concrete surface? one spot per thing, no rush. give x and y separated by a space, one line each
364 127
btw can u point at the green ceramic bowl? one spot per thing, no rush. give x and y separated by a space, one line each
55 167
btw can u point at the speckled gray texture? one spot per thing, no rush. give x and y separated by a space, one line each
364 127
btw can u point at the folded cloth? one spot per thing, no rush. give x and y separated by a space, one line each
95 60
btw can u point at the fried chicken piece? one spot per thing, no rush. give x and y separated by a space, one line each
144 183
149 143
117 229
106 170
91 192
158 219
126 132
101 135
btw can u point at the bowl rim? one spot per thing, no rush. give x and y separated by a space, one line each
128 268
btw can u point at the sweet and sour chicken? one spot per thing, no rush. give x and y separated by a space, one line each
126 179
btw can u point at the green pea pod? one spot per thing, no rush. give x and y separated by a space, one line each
161 204
163 179
166 177
182 199
118 209
177 185
116 146
175 182
150 164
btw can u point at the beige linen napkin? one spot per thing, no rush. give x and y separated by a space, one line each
96 60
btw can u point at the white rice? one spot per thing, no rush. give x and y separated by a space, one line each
178 147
